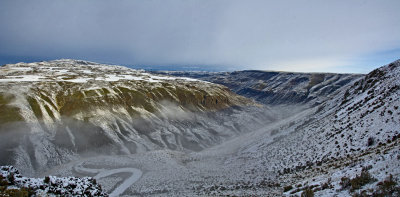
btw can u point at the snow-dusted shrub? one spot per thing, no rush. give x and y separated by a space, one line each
345 182
361 180
287 188
370 141
387 188
357 182
307 193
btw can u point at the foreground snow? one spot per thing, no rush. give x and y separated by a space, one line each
52 185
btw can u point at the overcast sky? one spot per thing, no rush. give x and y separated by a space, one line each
297 35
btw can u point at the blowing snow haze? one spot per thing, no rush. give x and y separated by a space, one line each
199 98
337 36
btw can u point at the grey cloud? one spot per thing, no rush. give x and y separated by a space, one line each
306 35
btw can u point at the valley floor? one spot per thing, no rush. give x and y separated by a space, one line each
166 172
224 170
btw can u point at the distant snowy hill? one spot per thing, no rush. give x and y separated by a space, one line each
274 88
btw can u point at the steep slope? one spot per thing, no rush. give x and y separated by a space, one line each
53 111
274 88
347 145
357 131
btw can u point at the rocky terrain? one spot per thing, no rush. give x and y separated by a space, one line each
146 134
12 183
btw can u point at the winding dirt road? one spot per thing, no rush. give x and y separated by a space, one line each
100 173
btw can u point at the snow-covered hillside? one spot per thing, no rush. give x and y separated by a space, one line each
357 129
332 135
52 112
347 143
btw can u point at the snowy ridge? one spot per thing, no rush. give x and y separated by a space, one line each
276 88
76 71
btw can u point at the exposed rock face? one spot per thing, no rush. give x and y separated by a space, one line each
52 111
277 87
